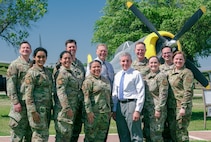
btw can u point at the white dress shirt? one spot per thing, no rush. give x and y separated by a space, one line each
133 88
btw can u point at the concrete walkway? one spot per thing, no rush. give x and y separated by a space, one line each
194 136
200 135
111 138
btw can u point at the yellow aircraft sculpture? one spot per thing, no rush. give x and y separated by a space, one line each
156 40
169 39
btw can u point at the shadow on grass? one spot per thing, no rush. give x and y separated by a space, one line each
198 116
3 96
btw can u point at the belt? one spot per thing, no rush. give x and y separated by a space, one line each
127 100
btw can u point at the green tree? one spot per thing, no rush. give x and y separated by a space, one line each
119 24
17 17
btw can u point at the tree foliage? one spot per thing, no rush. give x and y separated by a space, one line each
119 24
17 16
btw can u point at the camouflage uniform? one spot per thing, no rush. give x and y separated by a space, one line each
181 82
143 68
169 132
79 72
18 120
157 86
67 86
107 72
97 99
165 68
38 90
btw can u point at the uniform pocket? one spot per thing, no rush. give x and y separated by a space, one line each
15 115
103 106
13 123
64 122
62 116
64 127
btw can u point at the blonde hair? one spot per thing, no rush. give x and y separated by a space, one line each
179 52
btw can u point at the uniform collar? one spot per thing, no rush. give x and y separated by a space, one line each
143 62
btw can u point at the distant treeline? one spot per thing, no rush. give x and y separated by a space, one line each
4 67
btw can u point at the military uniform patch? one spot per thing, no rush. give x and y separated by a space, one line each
189 79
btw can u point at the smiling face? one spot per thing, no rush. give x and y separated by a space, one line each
140 51
71 47
179 60
66 60
102 52
95 68
125 62
25 50
154 64
167 54
40 58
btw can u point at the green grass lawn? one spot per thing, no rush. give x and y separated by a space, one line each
197 121
4 119
4 111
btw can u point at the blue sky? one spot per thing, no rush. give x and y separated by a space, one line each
67 19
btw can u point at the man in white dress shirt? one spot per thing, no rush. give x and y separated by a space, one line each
128 104
107 68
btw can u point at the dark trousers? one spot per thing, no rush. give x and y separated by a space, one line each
107 131
169 133
77 125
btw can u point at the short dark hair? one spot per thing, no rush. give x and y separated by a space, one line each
70 41
26 43
166 46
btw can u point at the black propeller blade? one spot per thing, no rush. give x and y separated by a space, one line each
191 21
197 74
143 19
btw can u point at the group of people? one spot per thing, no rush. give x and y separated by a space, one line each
167 106
142 92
